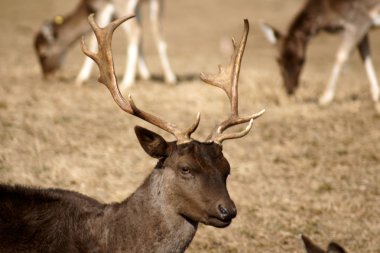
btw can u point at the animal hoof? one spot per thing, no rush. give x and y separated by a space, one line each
79 81
126 83
325 100
171 80
145 76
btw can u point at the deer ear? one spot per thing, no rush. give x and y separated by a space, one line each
271 33
153 144
310 247
335 248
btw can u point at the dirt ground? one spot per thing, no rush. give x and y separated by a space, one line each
303 168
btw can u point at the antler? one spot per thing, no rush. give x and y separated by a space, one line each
104 60
227 79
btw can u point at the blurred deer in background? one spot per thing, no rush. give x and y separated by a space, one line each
353 18
187 186
54 38
313 248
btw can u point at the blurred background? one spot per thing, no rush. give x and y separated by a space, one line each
302 169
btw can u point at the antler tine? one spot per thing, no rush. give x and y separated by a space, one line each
195 125
104 60
227 79
226 136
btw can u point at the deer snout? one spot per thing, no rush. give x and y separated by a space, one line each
291 84
227 211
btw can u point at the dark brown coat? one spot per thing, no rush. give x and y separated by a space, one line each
187 186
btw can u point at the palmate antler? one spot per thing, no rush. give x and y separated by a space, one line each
227 79
104 60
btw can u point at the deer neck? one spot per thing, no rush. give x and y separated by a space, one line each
303 28
150 221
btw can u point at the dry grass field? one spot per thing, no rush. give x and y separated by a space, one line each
303 168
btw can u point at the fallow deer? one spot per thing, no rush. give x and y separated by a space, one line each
186 187
313 248
353 18
54 38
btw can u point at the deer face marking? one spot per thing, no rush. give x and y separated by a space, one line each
196 174
48 53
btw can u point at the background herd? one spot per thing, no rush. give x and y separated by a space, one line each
306 169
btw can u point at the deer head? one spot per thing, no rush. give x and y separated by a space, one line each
313 248
291 56
49 54
197 171
56 36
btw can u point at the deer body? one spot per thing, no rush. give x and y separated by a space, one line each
35 220
55 38
52 44
187 186
352 18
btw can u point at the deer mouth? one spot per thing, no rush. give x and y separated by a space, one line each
217 222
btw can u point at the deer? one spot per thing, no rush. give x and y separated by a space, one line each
351 18
55 38
187 186
311 247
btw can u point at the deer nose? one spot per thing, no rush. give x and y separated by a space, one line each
227 212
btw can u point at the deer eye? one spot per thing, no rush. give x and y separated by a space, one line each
185 170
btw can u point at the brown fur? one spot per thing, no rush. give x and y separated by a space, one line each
187 186
54 38
319 15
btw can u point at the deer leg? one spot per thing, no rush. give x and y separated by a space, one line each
103 18
365 54
156 22
133 30
375 16
142 67
141 64
376 20
349 42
